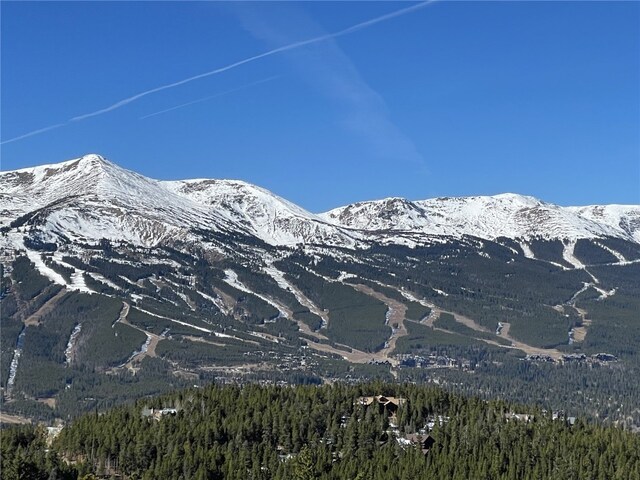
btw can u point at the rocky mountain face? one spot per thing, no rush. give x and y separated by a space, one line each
111 278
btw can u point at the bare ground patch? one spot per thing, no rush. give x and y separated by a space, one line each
48 401
34 318
13 419
580 333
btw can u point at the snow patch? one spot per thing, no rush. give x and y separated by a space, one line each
526 249
107 282
202 329
605 294
13 368
283 283
68 352
345 275
568 255
143 349
77 277
216 301
613 252
46 271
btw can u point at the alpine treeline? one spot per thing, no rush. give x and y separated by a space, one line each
325 432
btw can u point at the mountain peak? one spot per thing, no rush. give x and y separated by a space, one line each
395 201
273 219
518 198
93 160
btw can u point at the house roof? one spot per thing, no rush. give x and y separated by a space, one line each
383 400
425 442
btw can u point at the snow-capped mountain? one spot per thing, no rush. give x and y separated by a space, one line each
91 198
490 217
267 216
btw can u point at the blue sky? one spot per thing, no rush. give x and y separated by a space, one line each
447 99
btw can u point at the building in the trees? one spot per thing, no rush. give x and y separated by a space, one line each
424 442
389 405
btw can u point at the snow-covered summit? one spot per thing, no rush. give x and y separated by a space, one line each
504 215
92 198
47 182
88 176
270 217
394 213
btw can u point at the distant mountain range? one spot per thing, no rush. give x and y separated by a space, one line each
92 198
111 278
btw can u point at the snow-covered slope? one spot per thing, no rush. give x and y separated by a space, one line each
90 198
506 215
623 217
269 217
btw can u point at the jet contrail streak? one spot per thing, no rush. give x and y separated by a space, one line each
284 48
35 132
210 97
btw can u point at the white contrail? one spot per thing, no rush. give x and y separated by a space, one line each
291 46
35 132
210 97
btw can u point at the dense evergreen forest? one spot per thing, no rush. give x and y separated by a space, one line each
323 432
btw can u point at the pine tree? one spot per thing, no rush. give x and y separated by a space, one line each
303 468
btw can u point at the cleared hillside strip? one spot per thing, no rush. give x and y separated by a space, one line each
395 318
45 309
280 278
148 348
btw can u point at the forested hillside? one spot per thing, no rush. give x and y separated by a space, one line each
327 432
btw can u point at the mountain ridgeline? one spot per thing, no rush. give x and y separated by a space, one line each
117 286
